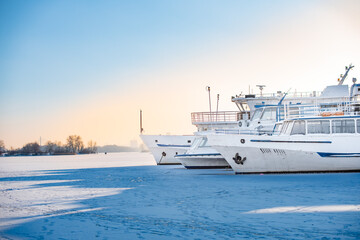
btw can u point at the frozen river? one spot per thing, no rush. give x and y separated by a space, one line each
125 196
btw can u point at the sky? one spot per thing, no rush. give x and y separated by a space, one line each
88 67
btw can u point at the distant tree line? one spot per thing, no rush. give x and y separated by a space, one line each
74 145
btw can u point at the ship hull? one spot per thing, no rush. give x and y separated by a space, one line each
165 147
256 154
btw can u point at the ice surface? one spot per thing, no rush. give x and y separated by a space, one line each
309 209
126 196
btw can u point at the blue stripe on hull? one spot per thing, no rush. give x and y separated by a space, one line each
170 145
326 154
206 167
168 163
198 155
278 141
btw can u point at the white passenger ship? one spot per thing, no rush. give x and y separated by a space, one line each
202 155
318 138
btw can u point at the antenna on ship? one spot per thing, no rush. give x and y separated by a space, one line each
141 128
343 77
261 87
208 89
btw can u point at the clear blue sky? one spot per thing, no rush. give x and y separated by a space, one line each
58 58
56 48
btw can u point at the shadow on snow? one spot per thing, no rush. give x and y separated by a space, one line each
171 202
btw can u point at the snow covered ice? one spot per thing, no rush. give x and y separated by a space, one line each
126 196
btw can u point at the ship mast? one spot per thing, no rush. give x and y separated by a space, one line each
343 77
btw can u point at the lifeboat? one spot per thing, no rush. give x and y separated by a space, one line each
328 114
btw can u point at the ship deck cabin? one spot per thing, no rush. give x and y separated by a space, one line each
320 126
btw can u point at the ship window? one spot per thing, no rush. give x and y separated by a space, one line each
243 106
257 114
277 128
318 126
283 129
358 125
269 114
298 128
203 142
196 143
343 126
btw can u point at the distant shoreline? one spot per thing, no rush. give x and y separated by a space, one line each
66 154
100 149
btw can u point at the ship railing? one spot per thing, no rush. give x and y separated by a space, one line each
218 117
341 108
245 132
280 94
